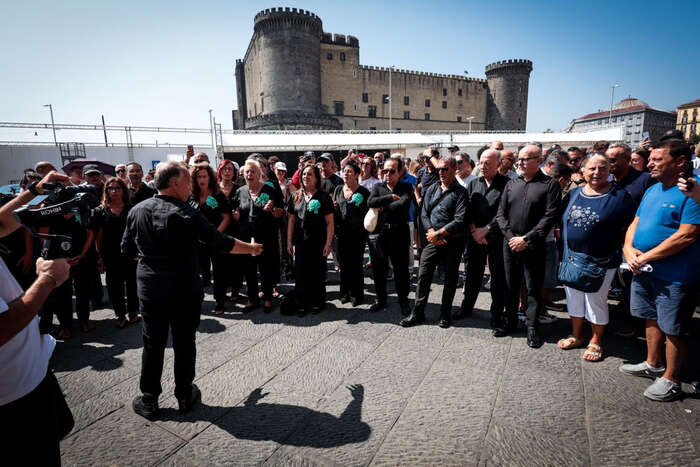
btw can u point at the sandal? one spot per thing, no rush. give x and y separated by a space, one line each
594 351
87 327
570 343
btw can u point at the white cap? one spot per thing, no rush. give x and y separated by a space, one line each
281 166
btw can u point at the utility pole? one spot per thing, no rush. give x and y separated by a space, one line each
470 123
53 125
211 130
104 130
391 69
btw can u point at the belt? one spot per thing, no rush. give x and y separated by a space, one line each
390 226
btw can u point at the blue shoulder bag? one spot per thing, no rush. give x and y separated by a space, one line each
577 270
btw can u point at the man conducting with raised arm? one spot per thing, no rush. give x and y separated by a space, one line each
162 233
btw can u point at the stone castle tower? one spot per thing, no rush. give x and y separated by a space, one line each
282 72
506 107
296 76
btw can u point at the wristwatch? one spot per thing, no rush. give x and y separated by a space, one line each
32 188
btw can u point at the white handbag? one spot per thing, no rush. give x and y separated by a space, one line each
371 219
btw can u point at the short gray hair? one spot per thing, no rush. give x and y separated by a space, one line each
488 152
165 171
623 146
449 160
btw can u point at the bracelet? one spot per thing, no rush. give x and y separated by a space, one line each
55 282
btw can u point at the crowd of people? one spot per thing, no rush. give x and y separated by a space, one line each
589 219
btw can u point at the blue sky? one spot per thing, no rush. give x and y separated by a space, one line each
167 63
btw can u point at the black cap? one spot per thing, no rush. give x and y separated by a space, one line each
326 156
672 134
309 155
88 168
453 147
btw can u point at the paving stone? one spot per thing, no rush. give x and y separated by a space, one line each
374 333
618 438
87 382
121 438
521 446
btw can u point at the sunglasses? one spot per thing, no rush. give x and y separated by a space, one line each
575 160
114 188
389 171
460 161
612 160
121 171
442 169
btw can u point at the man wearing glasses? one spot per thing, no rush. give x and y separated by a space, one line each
120 172
507 163
391 238
527 212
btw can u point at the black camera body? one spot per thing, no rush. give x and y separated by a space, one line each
60 200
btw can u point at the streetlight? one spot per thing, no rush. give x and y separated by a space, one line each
470 123
612 96
211 130
391 68
53 126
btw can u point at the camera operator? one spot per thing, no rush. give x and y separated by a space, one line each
33 411
163 232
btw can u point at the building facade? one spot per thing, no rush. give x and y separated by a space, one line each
688 120
295 76
636 118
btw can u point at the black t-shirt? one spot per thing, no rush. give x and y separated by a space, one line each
113 227
310 224
213 207
350 214
144 192
329 184
254 221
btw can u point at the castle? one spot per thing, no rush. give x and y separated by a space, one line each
295 76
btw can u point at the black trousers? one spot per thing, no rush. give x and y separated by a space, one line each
60 303
181 316
34 424
351 250
268 263
390 244
432 255
527 264
310 272
120 275
226 274
204 253
475 275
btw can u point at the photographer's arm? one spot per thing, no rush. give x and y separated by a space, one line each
22 310
8 223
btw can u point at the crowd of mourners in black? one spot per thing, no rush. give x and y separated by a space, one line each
607 219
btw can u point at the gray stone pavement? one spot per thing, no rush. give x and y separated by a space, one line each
353 388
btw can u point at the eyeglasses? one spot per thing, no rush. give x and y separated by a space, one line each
227 169
121 171
522 160
442 169
114 188
389 171
460 161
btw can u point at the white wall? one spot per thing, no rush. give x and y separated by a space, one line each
15 158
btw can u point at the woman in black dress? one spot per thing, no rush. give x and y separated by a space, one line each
227 176
256 217
109 222
207 198
350 202
309 238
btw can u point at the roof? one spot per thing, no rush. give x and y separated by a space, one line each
695 103
626 110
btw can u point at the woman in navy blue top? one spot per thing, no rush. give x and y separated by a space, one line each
595 218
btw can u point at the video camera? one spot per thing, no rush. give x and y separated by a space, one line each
59 200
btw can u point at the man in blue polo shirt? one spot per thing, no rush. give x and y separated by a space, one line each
663 235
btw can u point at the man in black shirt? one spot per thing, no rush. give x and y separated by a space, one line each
527 212
139 190
426 177
391 238
163 233
442 218
329 179
485 238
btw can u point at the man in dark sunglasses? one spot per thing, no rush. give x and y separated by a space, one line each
120 172
391 238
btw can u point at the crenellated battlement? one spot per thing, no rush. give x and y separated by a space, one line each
421 73
340 39
282 17
519 63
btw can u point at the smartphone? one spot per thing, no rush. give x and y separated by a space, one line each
645 135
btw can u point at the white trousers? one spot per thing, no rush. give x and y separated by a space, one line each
590 305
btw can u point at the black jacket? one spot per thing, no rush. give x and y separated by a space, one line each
445 209
529 208
393 212
483 201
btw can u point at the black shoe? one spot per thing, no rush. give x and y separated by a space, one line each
463 310
445 323
533 338
148 410
405 309
251 307
345 299
186 404
377 306
415 318
499 331
357 301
